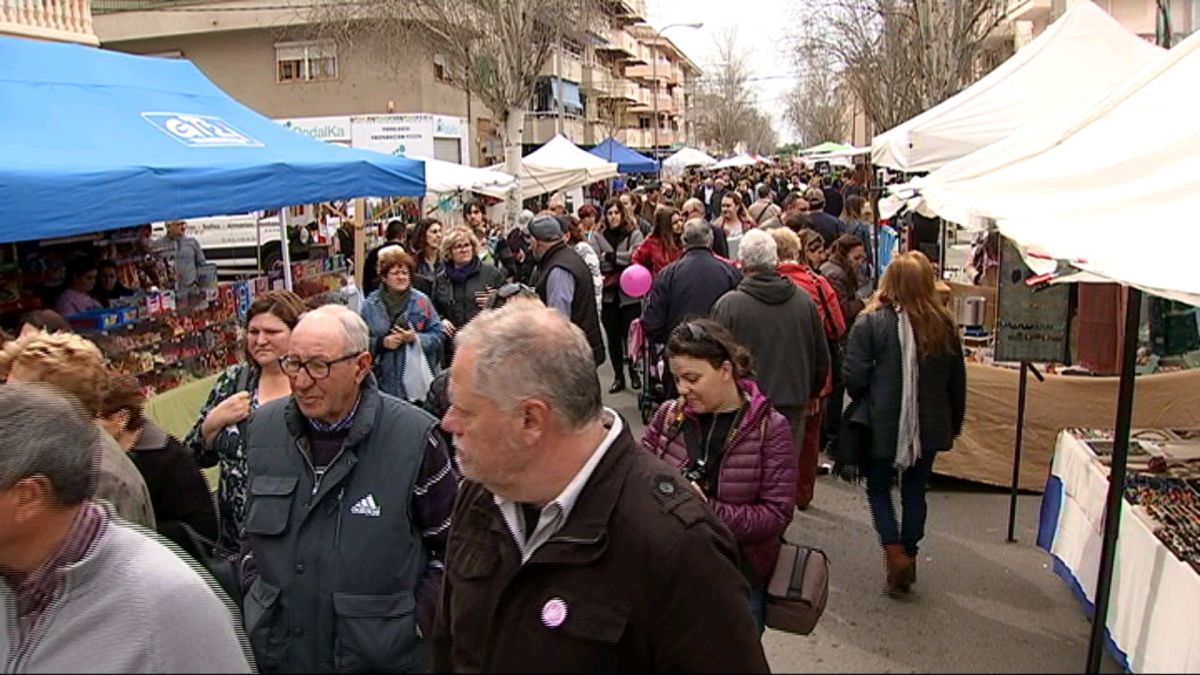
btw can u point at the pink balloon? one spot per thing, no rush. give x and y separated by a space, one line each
635 281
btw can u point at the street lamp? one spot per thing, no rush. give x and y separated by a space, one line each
654 77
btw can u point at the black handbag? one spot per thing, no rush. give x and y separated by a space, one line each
854 443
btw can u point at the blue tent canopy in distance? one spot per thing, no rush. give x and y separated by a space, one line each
92 140
627 159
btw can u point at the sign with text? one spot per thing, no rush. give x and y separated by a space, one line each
1031 325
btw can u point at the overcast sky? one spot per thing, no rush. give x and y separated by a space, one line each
760 25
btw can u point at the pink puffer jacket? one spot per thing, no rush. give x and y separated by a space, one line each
756 485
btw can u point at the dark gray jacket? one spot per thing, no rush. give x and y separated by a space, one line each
687 288
339 557
777 321
456 301
872 374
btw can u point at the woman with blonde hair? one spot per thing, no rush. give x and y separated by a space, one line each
907 381
462 285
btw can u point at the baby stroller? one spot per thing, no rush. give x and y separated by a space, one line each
649 362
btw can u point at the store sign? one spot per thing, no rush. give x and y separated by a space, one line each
199 131
327 129
448 127
410 135
1030 325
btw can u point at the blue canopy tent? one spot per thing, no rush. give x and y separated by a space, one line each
627 160
92 140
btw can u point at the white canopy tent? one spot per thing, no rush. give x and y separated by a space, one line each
1082 55
679 162
735 161
1110 187
443 177
556 166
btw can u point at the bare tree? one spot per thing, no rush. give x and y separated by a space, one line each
495 49
816 108
899 57
724 113
760 136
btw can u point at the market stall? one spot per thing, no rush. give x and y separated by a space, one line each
628 160
1155 587
679 162
556 166
172 145
1042 79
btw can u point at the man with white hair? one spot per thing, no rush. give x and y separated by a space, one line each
347 514
572 548
693 209
82 590
778 322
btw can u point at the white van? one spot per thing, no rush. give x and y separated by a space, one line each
233 244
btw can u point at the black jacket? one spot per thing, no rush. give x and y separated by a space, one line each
456 301
642 577
178 491
687 288
827 226
779 323
872 374
584 312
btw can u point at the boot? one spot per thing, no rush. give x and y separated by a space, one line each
912 570
617 386
634 381
899 567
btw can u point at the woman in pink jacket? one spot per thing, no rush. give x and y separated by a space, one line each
734 447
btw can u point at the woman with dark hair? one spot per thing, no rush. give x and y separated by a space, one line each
664 245
858 218
734 220
178 491
618 240
633 204
731 443
42 320
426 247
906 377
580 234
812 250
398 315
218 437
846 258
78 294
108 284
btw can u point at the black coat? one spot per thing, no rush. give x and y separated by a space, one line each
456 301
688 287
642 577
827 226
371 267
178 491
872 374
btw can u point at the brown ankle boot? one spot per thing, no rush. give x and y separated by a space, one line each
899 569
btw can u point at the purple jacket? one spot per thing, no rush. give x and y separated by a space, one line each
756 485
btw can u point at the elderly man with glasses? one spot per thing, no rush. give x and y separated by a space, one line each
347 515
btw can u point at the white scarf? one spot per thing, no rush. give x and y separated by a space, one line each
908 440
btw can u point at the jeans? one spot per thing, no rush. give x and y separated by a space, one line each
881 475
758 608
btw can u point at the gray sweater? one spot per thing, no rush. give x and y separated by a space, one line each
130 606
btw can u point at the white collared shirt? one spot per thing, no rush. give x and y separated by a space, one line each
554 515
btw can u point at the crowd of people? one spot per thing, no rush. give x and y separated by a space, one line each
433 481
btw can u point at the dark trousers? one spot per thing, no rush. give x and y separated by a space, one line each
881 476
616 321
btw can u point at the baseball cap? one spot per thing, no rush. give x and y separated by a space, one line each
546 228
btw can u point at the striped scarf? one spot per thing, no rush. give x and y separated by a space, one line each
908 440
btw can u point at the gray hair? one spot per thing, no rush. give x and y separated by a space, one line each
692 204
758 252
46 432
527 350
697 233
354 329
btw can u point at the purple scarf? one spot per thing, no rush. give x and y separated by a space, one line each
460 275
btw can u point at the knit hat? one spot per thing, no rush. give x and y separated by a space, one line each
546 228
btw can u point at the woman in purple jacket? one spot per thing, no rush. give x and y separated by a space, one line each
733 446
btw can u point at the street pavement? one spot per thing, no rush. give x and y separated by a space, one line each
980 605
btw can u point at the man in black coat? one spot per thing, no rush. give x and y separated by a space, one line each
693 209
564 282
827 226
395 237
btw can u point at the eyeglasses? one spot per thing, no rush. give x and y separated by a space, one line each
316 368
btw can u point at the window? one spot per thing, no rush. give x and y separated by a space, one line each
441 72
306 61
572 48
643 122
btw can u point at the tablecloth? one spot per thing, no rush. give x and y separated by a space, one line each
1153 624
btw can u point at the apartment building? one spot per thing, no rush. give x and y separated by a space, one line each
60 21
1026 19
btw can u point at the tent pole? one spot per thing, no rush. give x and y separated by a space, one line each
258 240
360 239
1026 368
1116 479
287 254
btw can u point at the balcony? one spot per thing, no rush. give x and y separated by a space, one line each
58 20
541 127
1028 10
594 132
630 11
596 78
571 67
620 44
647 73
636 138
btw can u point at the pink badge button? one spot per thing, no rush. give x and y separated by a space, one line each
554 613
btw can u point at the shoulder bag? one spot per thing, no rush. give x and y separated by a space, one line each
798 589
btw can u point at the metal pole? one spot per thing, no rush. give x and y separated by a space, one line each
1016 476
287 254
258 240
1116 479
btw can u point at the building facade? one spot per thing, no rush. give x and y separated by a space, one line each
1026 19
266 56
60 21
